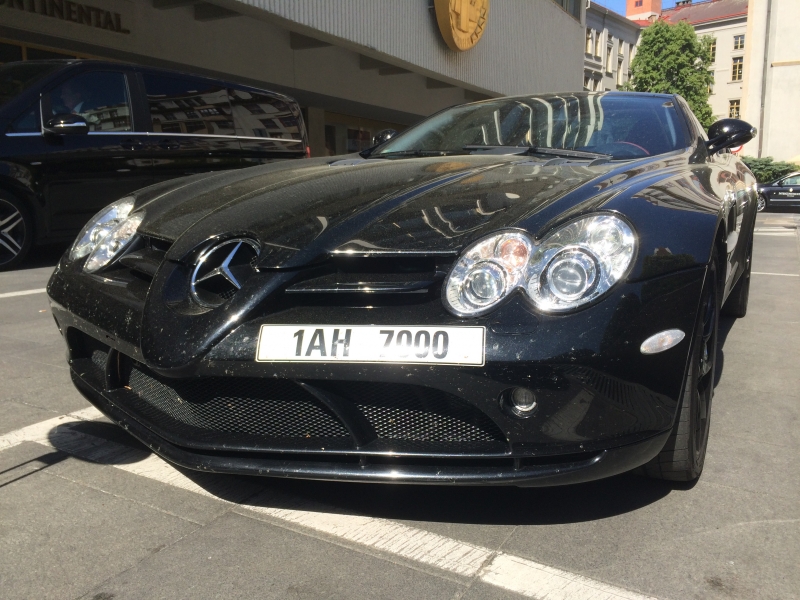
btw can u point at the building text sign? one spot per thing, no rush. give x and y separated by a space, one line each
75 12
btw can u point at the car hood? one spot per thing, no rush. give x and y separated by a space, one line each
302 211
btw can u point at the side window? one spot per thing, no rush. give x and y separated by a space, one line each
27 122
791 181
262 115
188 105
101 98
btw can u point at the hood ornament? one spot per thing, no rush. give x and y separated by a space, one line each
222 270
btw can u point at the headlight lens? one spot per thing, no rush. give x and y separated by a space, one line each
570 267
99 226
114 241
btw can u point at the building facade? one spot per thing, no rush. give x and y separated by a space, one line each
725 21
772 91
355 66
609 48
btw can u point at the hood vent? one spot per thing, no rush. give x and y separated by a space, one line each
374 275
145 260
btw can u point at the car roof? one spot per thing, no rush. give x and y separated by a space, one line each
76 62
581 94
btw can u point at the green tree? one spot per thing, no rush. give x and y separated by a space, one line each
671 59
766 169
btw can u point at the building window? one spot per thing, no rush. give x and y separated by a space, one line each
638 3
736 70
733 111
573 7
588 41
738 42
620 72
597 44
713 48
609 57
587 83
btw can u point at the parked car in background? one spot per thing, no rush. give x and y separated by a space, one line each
78 134
517 291
781 193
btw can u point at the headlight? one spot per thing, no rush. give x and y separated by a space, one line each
570 267
112 243
99 226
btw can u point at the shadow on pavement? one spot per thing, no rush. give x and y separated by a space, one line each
725 326
450 504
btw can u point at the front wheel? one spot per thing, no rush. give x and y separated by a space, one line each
761 203
684 454
16 232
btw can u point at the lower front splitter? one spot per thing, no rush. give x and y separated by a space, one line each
596 465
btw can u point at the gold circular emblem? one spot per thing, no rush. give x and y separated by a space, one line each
461 21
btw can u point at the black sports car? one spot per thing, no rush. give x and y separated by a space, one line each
516 291
781 193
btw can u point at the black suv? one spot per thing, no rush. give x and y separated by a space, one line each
76 135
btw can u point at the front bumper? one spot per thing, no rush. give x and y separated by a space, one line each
603 407
530 472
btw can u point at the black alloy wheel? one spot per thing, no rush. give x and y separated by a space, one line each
761 203
684 454
16 232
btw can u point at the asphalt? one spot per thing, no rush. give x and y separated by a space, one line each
89 525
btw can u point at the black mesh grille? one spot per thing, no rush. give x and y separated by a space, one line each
99 358
417 413
267 408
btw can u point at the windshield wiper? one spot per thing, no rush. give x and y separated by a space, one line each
560 152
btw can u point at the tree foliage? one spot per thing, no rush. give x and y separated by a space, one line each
766 170
671 59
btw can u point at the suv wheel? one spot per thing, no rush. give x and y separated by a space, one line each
16 232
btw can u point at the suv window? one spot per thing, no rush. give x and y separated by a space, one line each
188 105
27 122
262 115
100 97
17 77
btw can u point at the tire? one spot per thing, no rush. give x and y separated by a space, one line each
736 304
16 232
683 456
761 203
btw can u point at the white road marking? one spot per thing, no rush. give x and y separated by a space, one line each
22 293
506 571
777 274
775 233
40 432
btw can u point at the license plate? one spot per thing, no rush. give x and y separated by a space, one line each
372 344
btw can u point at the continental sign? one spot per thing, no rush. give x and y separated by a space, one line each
74 12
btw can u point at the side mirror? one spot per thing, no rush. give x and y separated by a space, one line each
728 133
66 125
383 136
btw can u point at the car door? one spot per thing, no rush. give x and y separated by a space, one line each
270 127
78 174
786 191
191 127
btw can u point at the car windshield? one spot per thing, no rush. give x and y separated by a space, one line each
622 126
17 77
